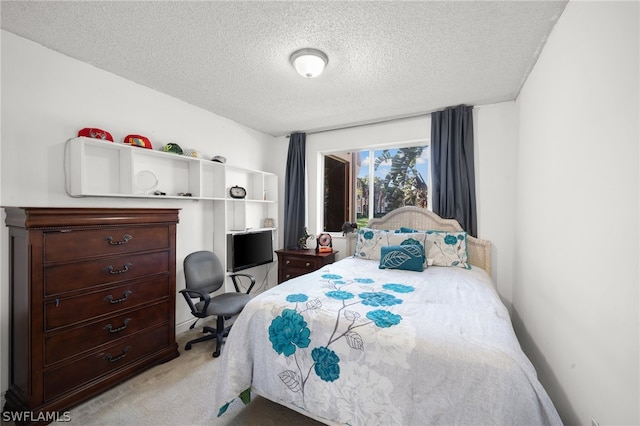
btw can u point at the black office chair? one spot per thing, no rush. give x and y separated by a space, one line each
204 275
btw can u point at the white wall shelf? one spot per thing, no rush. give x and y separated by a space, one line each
97 168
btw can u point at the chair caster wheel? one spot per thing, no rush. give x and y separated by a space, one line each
216 354
187 347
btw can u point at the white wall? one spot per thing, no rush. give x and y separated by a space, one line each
575 294
496 133
48 97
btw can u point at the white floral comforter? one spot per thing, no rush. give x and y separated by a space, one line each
354 344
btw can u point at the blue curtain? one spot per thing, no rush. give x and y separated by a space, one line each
453 175
294 196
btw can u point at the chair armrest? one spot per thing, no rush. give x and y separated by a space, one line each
235 278
190 294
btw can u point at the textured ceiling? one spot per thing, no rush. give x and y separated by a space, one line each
386 59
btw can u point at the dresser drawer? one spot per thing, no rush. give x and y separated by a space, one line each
75 341
82 275
65 378
67 311
288 273
307 264
80 244
293 263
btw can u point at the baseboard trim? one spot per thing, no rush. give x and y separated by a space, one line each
184 326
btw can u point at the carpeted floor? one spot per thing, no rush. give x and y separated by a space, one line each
179 392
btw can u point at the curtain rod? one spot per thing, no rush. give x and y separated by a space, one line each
368 123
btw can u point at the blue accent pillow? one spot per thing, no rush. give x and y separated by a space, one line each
408 257
404 230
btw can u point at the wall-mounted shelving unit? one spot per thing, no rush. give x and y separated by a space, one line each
106 169
97 168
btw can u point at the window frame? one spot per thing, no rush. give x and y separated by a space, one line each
371 149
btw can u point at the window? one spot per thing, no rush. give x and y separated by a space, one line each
360 185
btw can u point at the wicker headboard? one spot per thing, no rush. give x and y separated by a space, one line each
423 219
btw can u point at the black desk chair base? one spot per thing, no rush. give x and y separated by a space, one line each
212 333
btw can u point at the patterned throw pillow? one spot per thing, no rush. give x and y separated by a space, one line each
368 243
401 236
397 238
408 257
447 249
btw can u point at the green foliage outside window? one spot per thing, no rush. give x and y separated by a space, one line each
403 185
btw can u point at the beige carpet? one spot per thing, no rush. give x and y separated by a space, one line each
179 392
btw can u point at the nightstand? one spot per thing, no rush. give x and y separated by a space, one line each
295 262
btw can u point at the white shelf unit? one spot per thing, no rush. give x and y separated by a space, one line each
97 168
249 213
106 169
244 215
260 203
260 186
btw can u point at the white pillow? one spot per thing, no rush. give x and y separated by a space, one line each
447 249
368 243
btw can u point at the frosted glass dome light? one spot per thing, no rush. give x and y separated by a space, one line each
309 63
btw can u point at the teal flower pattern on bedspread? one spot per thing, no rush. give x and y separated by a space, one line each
290 334
379 299
384 319
297 298
326 364
289 331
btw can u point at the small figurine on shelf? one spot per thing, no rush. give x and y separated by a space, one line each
173 148
302 241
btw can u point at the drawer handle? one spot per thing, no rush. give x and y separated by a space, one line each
110 358
110 328
125 240
113 301
308 264
287 262
110 269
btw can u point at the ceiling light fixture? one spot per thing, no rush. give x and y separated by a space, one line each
309 62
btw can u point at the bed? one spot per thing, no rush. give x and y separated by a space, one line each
389 336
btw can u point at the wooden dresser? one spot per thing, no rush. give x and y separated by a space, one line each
295 262
92 301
